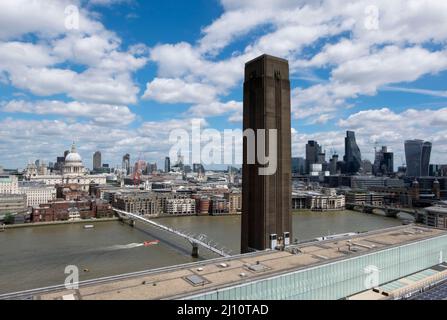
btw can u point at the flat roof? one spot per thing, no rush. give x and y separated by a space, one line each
174 282
404 285
267 56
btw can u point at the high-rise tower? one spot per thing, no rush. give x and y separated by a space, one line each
313 150
97 162
418 154
167 165
266 204
126 163
353 157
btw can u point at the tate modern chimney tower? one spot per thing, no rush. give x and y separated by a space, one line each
266 199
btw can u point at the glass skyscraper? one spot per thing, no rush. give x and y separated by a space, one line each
417 153
353 157
425 162
313 149
167 164
298 166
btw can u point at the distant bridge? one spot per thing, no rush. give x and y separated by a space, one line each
195 240
389 210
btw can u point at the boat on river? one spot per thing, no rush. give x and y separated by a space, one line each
151 243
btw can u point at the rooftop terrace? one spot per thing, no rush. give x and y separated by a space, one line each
192 279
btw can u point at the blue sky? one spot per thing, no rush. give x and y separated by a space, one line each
132 71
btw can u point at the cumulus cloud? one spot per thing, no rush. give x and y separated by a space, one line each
99 113
35 66
44 18
179 91
47 139
216 109
333 39
361 60
390 65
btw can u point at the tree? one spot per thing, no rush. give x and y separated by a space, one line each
9 218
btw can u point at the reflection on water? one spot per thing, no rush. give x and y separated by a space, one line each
122 247
37 257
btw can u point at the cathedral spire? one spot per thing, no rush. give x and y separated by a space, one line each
73 147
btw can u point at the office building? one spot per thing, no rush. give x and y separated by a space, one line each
298 166
37 193
151 168
139 203
425 162
126 164
435 170
353 157
97 162
313 150
167 165
59 164
364 198
234 200
326 200
266 199
333 164
181 207
384 162
417 153
366 168
13 204
9 184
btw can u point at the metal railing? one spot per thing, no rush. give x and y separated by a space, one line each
201 240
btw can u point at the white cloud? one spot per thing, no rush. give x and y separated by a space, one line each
16 53
90 86
100 113
326 35
322 119
371 120
389 65
100 51
42 17
47 139
216 109
365 76
360 61
335 54
43 66
178 91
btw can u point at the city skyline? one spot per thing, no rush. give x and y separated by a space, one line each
128 75
323 156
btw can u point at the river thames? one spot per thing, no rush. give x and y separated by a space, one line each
36 257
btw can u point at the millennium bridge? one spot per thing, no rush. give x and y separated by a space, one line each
195 240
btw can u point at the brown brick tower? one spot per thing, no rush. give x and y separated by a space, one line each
266 199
